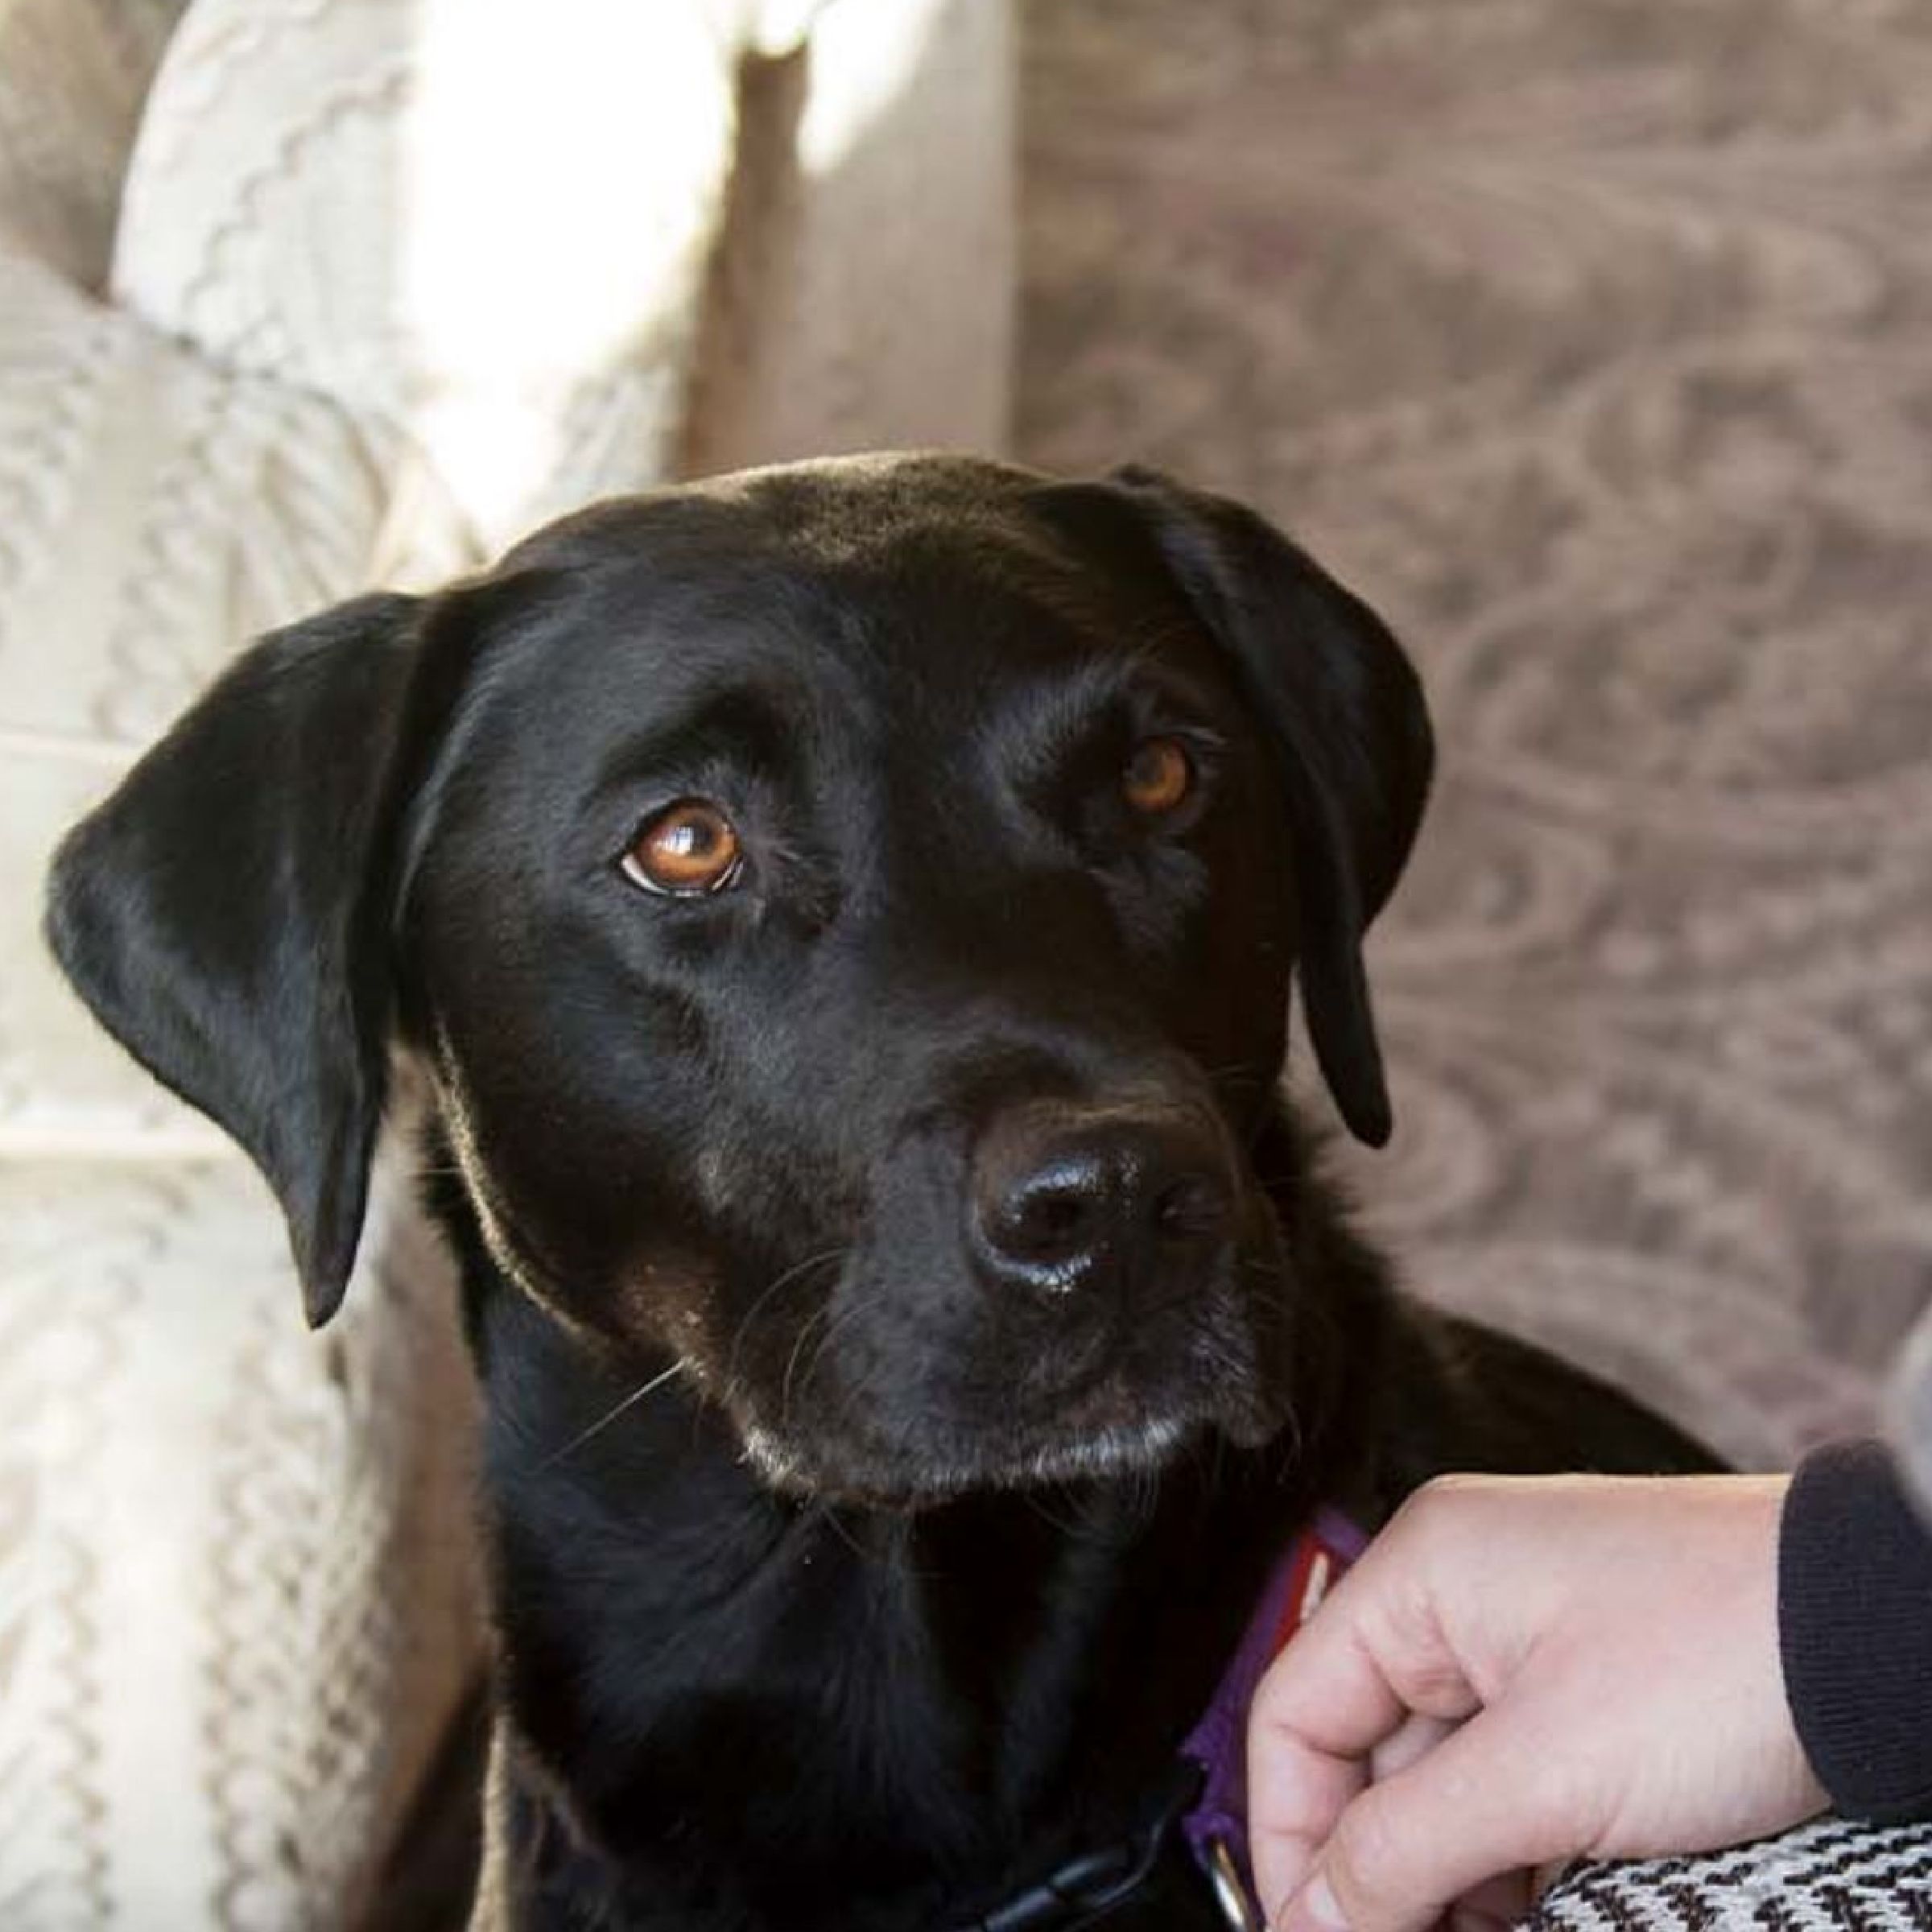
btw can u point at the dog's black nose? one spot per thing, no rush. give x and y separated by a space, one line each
1065 1199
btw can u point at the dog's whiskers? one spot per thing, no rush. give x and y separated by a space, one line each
828 1513
830 1322
819 1316
611 1415
784 1281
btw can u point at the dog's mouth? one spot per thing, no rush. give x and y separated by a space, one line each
889 1425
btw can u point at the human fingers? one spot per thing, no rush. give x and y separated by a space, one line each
1357 1694
1447 1833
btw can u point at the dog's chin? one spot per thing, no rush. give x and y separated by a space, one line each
922 1474
919 1481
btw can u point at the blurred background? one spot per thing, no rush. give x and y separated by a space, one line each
1593 343
1590 340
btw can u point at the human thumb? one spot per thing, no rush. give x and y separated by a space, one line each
1408 1846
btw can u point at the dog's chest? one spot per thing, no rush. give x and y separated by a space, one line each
826 1734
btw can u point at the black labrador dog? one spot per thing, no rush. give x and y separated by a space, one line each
847 915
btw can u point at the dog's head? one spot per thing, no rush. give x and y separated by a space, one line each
847 912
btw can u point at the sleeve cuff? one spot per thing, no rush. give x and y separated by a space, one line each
1855 1626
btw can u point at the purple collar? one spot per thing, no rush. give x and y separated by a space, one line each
1216 1829
1210 1767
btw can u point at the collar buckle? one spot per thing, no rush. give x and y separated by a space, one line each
1230 1888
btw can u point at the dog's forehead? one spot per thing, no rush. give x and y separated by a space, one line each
832 509
875 578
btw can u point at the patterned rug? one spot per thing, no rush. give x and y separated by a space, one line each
1591 340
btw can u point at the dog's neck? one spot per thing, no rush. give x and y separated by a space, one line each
960 1693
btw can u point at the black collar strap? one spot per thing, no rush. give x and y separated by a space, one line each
1093 1885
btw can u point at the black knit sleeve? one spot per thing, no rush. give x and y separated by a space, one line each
1854 1618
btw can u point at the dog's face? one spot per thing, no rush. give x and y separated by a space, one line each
848 913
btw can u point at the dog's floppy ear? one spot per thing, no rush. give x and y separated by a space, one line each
224 912
1346 711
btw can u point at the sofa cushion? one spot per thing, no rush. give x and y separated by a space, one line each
483 226
157 511
73 74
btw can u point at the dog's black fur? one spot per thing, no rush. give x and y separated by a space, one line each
909 1321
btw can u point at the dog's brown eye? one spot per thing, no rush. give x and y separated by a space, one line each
689 848
1158 777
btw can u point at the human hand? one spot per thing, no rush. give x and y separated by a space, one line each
1518 1671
